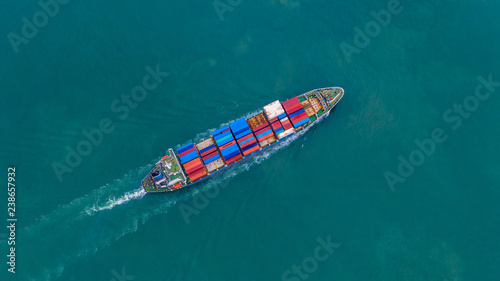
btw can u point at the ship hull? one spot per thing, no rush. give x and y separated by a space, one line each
249 156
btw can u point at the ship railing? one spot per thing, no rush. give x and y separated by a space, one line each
177 161
321 100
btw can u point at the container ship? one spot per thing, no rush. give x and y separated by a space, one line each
240 140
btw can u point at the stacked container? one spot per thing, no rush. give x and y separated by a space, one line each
259 124
296 112
227 145
191 162
210 155
277 116
244 136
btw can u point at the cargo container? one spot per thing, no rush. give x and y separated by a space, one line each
244 137
286 133
210 155
286 123
258 120
197 175
292 105
296 112
234 159
273 109
259 123
260 127
191 162
267 141
240 140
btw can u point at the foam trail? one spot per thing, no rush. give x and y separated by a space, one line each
83 226
113 201
115 192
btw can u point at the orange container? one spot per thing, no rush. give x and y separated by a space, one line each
197 175
192 163
266 136
251 150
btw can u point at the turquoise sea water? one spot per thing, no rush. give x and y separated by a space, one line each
255 222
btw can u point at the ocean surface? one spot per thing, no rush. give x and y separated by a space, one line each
400 182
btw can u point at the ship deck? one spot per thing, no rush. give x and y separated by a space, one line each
316 103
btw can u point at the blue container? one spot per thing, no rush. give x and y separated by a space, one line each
250 146
301 122
218 131
223 141
264 133
184 147
207 148
282 115
231 155
296 113
238 122
188 157
231 151
223 136
238 131
211 159
247 140
219 136
243 134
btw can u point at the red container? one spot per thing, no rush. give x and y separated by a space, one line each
194 168
227 145
299 117
197 175
262 130
276 125
245 137
248 143
285 121
186 152
260 127
266 136
294 108
210 155
208 152
274 119
290 103
233 159
286 124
